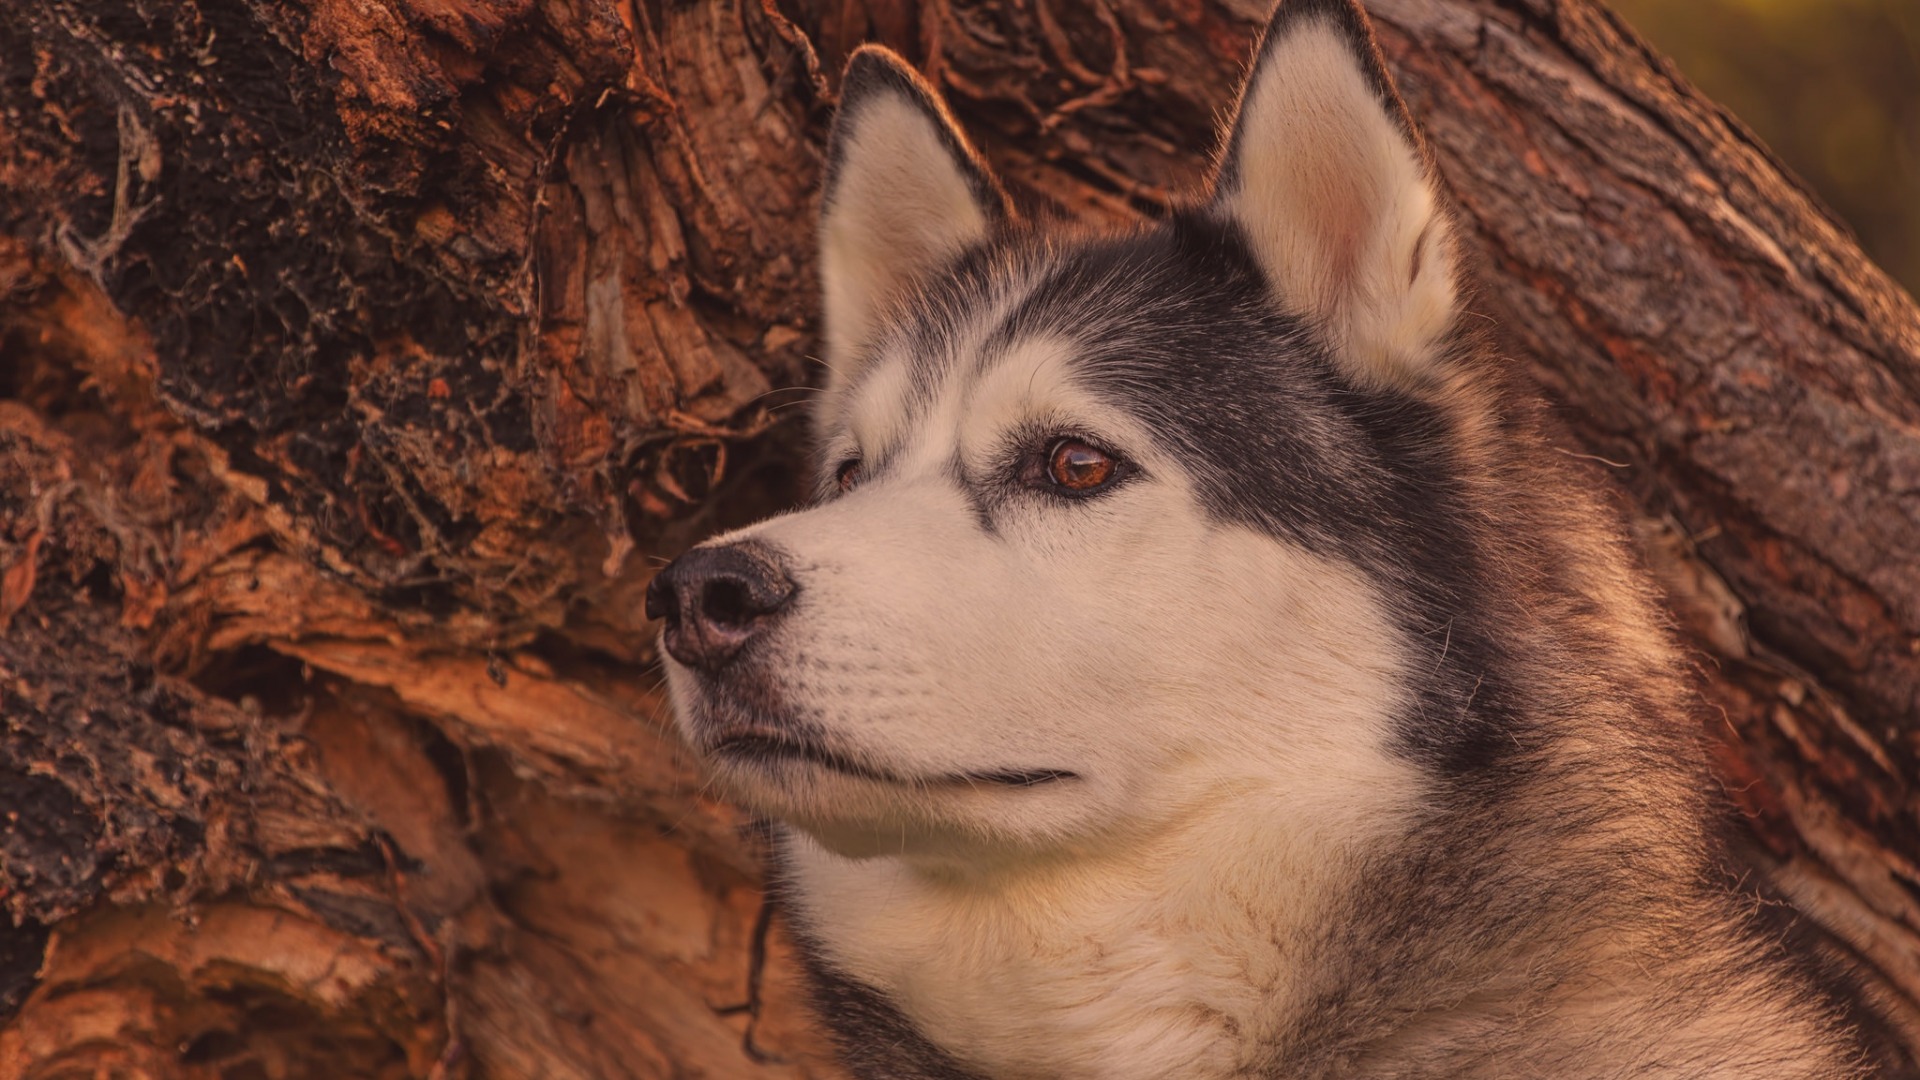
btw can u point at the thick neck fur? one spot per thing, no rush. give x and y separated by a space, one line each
1553 915
1205 956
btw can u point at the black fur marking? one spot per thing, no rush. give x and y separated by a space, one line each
976 501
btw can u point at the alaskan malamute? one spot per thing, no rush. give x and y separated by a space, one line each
1195 663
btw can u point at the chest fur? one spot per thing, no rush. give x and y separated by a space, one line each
1111 972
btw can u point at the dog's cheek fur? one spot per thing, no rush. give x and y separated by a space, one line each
1086 616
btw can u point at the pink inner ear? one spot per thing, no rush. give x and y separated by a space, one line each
1316 188
1345 212
1319 157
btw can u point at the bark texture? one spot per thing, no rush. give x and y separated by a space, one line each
359 361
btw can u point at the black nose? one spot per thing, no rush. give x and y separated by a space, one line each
715 600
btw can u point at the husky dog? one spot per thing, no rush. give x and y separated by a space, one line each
1196 663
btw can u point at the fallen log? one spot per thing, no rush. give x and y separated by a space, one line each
358 362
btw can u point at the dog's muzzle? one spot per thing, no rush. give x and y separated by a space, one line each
715 600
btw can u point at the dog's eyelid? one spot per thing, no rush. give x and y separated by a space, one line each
1039 461
847 474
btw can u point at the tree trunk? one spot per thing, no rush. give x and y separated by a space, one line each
361 359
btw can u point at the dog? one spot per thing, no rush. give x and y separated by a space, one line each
1196 662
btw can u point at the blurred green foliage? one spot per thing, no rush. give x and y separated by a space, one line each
1833 86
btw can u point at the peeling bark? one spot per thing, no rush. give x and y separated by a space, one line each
359 360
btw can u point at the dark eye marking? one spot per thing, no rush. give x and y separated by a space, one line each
847 475
1075 468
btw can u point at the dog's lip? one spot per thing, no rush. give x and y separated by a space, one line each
762 745
1019 777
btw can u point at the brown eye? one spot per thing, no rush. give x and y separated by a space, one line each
1074 465
847 475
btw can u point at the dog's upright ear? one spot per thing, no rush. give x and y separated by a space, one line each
1324 172
904 193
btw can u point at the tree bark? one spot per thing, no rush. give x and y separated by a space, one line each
360 361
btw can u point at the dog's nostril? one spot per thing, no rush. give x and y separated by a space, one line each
661 601
727 602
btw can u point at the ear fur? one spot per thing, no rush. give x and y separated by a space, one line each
1326 175
904 193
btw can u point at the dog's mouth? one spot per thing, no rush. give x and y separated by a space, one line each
766 748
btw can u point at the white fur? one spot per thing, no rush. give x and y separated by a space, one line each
1339 208
1116 925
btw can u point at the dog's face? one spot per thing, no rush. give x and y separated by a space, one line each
1101 522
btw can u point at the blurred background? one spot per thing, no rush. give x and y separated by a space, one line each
1833 86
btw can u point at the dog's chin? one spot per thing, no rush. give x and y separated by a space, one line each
859 809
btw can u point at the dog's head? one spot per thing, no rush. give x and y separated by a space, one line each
1108 528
